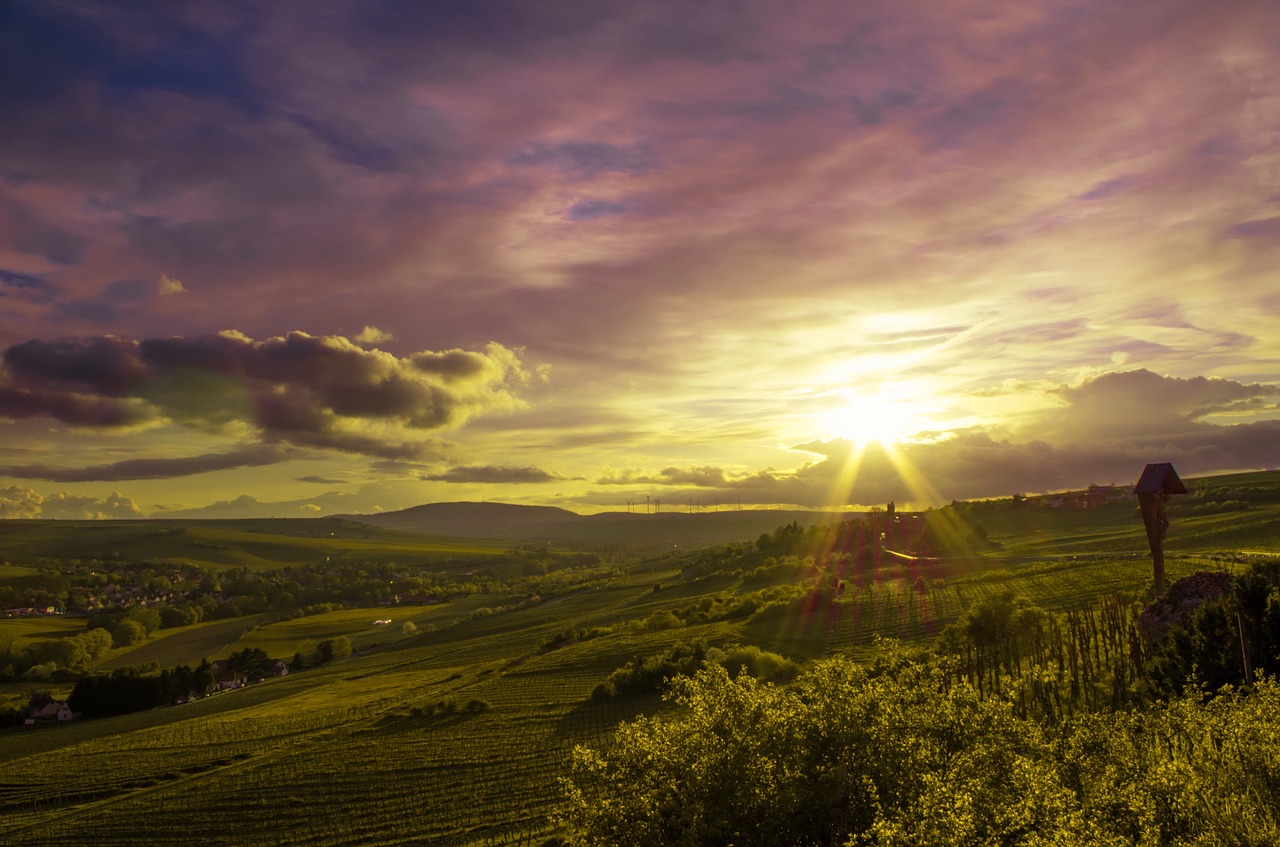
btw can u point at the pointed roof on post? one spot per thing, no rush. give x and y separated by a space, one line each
1159 476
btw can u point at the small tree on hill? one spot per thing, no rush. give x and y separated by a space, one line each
253 662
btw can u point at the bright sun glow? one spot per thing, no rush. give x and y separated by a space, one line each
881 417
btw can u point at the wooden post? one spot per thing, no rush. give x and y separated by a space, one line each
1244 650
1153 516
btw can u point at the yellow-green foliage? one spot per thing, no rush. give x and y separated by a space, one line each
891 754
368 749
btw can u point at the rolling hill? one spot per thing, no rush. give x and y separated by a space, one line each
662 530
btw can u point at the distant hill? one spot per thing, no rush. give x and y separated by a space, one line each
551 524
472 520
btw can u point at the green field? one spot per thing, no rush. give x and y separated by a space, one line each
253 544
39 626
457 735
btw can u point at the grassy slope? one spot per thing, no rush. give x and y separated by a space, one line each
25 630
351 754
338 755
265 544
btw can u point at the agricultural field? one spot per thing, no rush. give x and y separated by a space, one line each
258 544
29 629
458 734
185 645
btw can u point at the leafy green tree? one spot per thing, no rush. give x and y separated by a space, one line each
97 644
253 662
127 632
334 648
146 616
202 678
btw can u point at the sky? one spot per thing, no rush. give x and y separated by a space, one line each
342 256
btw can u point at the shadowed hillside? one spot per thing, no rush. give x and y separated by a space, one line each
544 523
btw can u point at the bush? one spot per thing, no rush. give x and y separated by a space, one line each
893 755
655 673
755 662
661 620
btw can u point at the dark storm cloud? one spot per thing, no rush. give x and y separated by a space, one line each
150 468
298 389
494 474
68 407
106 366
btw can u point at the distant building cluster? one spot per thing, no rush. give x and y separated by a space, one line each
1093 497
32 612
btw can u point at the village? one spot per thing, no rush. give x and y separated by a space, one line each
225 675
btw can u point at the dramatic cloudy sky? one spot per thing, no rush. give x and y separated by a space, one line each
294 258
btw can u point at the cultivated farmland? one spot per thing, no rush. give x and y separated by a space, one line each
458 732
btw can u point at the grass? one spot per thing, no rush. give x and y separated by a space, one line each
186 645
382 749
26 630
265 544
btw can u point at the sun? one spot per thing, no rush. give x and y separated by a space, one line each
881 417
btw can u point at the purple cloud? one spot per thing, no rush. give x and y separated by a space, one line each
298 389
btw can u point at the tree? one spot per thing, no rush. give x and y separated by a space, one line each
127 632
202 678
253 662
334 648
149 618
